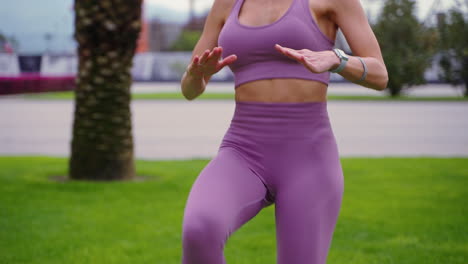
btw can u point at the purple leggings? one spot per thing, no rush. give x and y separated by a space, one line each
283 153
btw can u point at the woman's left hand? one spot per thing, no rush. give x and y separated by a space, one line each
315 61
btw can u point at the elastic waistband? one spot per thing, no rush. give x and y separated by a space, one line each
278 110
278 119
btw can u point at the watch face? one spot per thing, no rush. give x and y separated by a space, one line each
337 53
345 56
342 54
343 60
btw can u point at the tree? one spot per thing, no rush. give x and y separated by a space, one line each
102 143
186 41
8 44
407 46
453 46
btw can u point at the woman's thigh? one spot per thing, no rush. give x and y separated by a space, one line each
307 206
225 195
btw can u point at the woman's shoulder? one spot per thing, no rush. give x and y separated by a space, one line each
343 4
342 8
222 8
223 5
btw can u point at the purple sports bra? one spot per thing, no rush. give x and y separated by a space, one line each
257 57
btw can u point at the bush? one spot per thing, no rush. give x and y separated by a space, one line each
407 45
453 45
187 41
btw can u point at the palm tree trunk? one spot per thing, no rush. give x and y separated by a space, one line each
102 141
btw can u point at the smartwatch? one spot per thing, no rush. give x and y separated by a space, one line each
343 60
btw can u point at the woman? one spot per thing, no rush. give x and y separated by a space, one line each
280 147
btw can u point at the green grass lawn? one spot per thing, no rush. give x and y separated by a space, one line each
395 211
228 96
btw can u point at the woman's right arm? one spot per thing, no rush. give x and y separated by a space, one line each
205 56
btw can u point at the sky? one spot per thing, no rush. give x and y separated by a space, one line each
29 21
373 6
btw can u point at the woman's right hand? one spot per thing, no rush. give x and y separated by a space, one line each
208 63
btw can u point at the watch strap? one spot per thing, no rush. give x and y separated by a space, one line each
343 61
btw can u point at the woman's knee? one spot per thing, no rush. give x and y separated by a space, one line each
203 228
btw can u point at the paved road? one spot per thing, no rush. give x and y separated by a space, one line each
188 129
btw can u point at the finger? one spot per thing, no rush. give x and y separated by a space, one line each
192 63
217 52
210 54
279 48
286 51
291 51
298 55
194 67
195 62
214 55
228 60
292 54
204 56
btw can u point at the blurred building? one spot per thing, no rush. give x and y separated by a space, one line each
162 35
142 43
196 23
6 47
156 35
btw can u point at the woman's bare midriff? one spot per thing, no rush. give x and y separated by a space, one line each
282 90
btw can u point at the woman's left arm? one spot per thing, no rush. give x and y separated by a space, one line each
351 19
